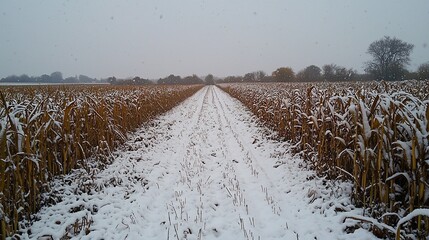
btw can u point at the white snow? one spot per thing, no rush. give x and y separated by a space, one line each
204 170
415 213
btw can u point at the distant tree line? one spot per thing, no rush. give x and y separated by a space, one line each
312 73
171 79
55 77
129 81
194 79
390 57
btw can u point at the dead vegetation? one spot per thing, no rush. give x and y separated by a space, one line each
48 130
374 134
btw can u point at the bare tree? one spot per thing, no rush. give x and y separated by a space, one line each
209 79
194 79
57 77
257 76
112 80
249 77
390 56
423 71
329 72
284 74
310 74
333 72
260 75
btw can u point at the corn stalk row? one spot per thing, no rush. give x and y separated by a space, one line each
48 131
374 134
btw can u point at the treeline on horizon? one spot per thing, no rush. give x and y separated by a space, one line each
312 73
55 77
390 56
171 79
328 73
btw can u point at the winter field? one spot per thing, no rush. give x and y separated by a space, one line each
46 131
284 161
374 134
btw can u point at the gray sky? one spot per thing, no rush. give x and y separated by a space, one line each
153 39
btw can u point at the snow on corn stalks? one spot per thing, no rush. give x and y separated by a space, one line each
374 134
47 131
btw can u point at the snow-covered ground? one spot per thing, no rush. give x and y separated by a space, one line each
204 170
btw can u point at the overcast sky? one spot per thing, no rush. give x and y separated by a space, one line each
153 39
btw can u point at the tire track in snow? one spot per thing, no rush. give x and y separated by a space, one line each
164 207
201 207
248 184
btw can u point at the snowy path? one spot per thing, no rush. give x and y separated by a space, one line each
202 171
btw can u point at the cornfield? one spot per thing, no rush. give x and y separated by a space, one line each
374 134
48 131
